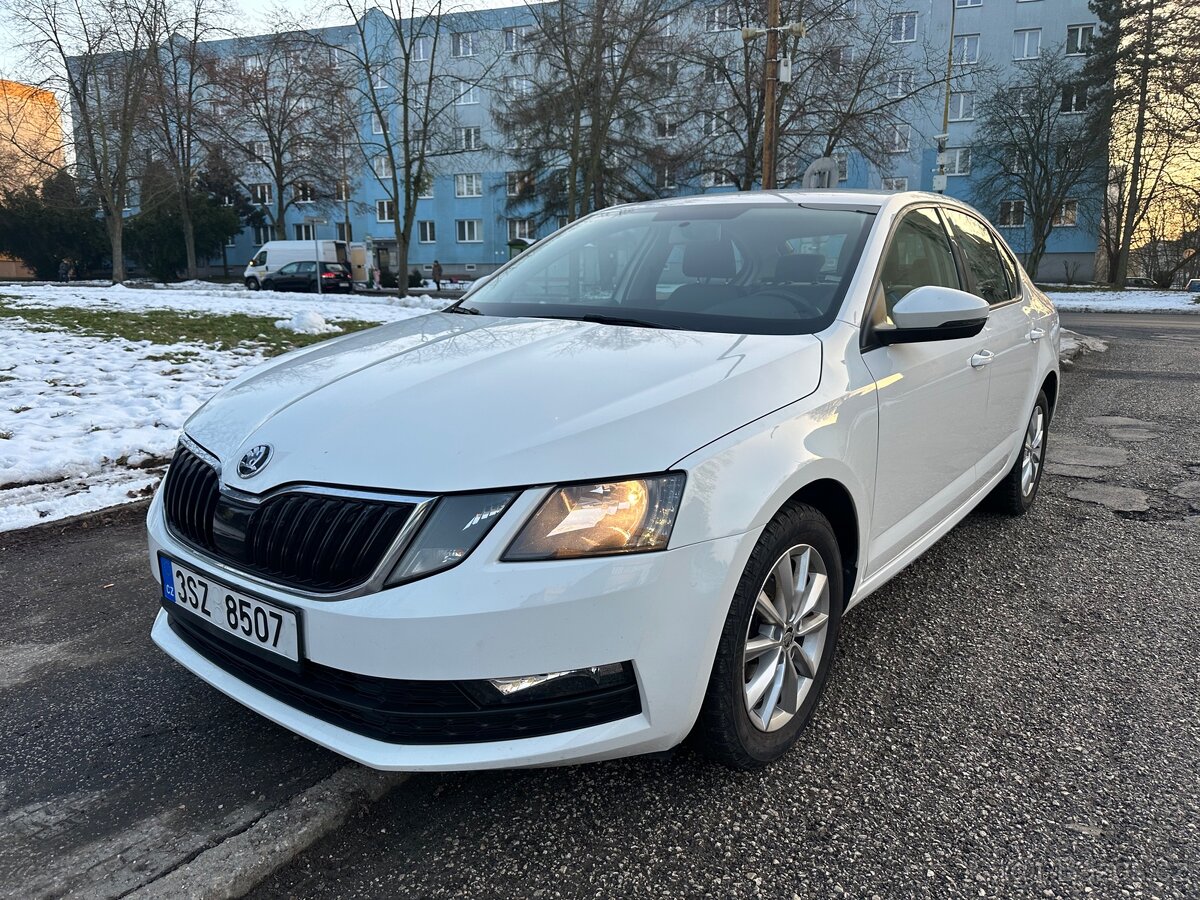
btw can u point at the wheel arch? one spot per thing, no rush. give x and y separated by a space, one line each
1050 386
834 501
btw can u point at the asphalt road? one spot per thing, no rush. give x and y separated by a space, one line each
1016 715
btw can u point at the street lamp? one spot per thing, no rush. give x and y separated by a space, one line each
771 75
939 178
313 222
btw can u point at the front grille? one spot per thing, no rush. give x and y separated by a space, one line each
409 712
298 539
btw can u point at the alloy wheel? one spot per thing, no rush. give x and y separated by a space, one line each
785 638
1031 452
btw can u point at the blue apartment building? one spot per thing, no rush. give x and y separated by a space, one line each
465 220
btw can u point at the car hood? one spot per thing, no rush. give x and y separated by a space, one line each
445 402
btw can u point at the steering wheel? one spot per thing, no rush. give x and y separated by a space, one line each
806 308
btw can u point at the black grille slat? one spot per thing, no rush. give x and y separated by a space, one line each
299 539
408 712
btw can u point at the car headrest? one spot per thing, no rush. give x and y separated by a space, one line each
709 259
799 267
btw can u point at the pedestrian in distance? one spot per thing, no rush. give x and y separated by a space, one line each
63 268
437 275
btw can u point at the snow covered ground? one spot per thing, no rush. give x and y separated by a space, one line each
87 422
1125 301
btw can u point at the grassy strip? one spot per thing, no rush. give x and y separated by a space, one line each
168 326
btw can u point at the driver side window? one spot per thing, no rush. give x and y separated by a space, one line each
289 269
919 255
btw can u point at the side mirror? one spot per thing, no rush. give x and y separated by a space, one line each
933 313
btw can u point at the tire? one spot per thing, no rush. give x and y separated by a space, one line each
733 729
252 284
1015 494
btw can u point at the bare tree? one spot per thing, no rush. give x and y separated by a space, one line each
1034 150
1172 236
1145 71
273 109
99 56
857 76
179 83
31 138
406 74
582 118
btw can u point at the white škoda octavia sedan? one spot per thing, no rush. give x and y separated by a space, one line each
622 493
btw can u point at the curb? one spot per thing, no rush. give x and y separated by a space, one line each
239 863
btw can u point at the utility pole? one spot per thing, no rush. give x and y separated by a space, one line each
770 86
939 178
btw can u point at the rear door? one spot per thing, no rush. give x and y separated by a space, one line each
1009 337
306 276
932 401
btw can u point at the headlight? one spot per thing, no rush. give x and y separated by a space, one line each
454 528
598 519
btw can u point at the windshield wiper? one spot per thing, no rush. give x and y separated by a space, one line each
602 319
462 310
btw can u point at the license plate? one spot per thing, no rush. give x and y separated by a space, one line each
254 621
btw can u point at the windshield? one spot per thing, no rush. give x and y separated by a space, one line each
749 268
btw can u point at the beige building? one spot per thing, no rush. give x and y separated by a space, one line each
31 145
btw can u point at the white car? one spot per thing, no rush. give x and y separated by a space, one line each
622 493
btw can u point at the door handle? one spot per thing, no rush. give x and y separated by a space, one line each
982 358
1036 334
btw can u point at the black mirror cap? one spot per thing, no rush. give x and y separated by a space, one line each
948 331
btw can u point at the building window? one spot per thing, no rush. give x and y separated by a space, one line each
304 192
469 138
1012 214
898 138
468 95
714 124
903 28
231 241
304 231
713 73
716 178
966 49
842 161
376 124
719 18
420 49
385 210
962 106
665 127
1068 214
520 229
342 230
1027 43
664 178
425 187
382 165
1074 98
341 191
514 38
516 86
1023 100
262 234
961 4
470 231
895 184
427 232
261 194
840 59
958 160
1079 39
516 183
900 83
260 150
846 9
462 43
468 185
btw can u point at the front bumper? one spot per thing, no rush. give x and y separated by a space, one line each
486 619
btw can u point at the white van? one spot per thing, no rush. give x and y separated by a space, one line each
274 254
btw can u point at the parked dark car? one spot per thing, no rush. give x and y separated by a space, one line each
302 276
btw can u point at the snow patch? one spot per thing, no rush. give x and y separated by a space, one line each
307 322
1125 301
1072 344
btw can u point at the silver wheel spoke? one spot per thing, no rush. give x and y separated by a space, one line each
811 625
812 596
767 610
757 686
772 700
756 647
793 686
785 587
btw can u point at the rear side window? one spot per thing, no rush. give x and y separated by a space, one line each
983 257
306 267
919 255
1011 270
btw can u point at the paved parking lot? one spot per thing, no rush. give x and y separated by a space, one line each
1014 716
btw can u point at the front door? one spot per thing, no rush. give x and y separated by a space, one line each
1008 337
932 400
